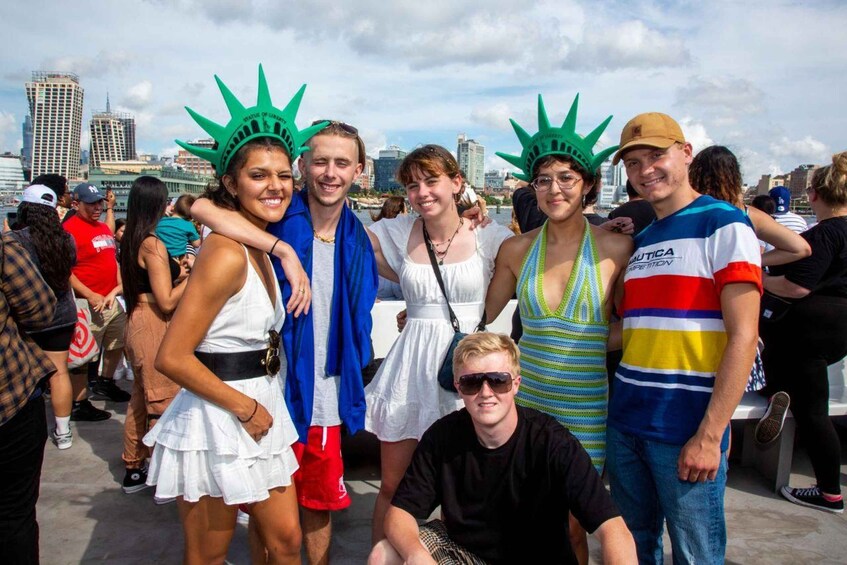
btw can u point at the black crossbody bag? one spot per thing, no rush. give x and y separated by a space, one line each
445 372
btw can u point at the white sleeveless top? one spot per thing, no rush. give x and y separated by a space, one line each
244 321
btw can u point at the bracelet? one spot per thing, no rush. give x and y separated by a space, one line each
255 407
271 252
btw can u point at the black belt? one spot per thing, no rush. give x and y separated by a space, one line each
235 366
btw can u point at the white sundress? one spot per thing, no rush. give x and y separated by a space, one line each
404 399
200 449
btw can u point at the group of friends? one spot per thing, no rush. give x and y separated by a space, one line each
248 370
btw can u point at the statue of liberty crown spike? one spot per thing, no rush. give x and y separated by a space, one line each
245 124
558 141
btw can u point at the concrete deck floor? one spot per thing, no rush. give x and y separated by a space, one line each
85 517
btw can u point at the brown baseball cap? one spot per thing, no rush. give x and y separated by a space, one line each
652 129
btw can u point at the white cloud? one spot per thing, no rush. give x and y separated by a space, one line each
695 133
806 150
725 100
495 116
138 96
628 45
104 63
10 133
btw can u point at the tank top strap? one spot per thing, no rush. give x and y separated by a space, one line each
585 288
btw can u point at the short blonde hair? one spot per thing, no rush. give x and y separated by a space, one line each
485 343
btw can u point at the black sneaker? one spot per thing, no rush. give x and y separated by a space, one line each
770 426
812 498
84 411
135 480
106 389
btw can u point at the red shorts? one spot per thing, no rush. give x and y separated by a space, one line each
320 478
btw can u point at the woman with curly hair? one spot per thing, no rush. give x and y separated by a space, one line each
715 171
54 253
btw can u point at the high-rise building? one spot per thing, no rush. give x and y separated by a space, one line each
191 163
366 179
26 151
55 106
801 179
112 136
611 174
471 158
494 179
385 169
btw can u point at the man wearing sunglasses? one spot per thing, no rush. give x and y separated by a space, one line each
505 478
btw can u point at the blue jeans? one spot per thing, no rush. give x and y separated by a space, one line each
647 490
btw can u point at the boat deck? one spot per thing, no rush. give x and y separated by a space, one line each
85 517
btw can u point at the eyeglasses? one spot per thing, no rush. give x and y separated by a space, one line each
566 181
272 363
498 381
346 128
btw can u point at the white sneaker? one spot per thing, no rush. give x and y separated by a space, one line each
63 441
243 518
166 500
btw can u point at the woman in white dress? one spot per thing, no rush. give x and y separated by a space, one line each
226 438
404 398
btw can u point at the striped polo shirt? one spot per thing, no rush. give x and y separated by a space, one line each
673 330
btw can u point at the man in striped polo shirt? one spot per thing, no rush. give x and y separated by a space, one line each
690 312
783 215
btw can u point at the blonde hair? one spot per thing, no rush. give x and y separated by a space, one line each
485 343
830 182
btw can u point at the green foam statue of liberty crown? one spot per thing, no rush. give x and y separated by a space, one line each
245 124
558 141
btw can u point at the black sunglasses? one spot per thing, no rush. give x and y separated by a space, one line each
498 381
346 128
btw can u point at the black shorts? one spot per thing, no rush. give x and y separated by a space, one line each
57 339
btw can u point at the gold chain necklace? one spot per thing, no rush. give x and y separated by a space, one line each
323 238
441 255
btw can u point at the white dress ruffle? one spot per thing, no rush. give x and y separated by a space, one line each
200 449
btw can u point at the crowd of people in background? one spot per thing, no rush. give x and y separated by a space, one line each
634 339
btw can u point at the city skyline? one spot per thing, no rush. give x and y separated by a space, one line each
759 77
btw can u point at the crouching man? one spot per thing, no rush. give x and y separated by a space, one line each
505 477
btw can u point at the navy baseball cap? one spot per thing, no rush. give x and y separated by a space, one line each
88 193
782 198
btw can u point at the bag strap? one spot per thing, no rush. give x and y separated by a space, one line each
453 320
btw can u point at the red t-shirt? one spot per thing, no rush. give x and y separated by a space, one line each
96 263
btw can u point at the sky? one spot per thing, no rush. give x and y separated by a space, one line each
764 77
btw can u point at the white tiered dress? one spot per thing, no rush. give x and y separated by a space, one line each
200 449
404 399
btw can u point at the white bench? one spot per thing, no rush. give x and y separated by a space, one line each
384 333
774 460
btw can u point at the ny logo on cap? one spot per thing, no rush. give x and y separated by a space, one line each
91 188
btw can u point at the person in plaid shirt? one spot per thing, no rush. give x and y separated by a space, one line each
24 299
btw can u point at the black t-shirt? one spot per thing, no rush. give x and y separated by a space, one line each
510 504
824 272
640 211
